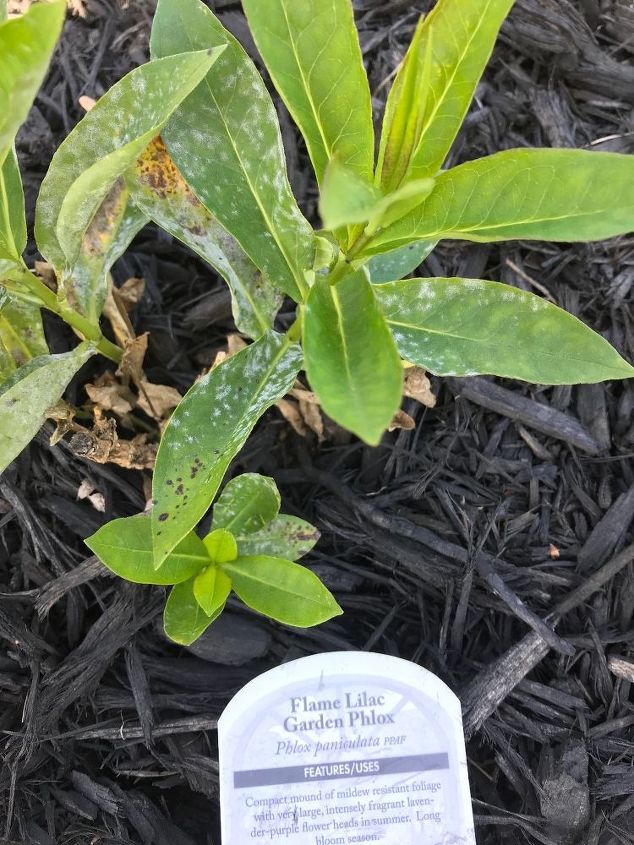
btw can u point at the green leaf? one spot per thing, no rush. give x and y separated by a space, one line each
29 393
211 590
434 87
26 46
466 327
311 49
225 140
351 360
221 546
346 197
21 330
110 232
248 503
12 218
105 144
282 590
286 536
3 10
209 428
159 189
184 619
389 266
552 195
125 547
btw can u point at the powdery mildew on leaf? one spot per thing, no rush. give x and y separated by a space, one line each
462 327
103 145
226 141
29 393
208 429
159 189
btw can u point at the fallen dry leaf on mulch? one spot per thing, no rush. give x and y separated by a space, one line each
103 446
418 386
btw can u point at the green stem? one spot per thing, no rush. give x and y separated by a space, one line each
34 287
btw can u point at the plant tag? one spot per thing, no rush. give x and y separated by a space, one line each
342 748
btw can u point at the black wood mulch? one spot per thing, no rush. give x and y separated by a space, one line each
491 545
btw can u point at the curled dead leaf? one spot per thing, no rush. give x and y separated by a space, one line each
103 446
418 386
157 400
131 365
401 420
109 394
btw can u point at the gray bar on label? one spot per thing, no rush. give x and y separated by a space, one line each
338 771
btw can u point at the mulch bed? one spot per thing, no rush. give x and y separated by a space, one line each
491 545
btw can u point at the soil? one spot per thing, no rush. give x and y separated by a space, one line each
492 544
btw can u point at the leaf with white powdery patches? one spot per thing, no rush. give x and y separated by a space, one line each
465 327
208 429
286 536
225 140
104 144
27 395
159 189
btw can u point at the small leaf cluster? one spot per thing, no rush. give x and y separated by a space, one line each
251 549
191 141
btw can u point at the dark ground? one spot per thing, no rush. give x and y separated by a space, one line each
107 731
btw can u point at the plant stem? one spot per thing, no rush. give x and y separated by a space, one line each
83 327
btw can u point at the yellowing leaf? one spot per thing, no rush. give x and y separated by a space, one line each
104 144
159 189
311 49
221 546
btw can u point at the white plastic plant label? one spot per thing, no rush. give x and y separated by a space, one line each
343 748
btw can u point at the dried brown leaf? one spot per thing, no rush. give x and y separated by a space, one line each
103 446
418 386
402 420
131 365
109 394
157 400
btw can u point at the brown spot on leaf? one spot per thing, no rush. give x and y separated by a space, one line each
163 517
105 223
